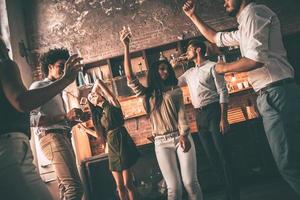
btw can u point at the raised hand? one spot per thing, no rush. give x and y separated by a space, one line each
189 8
72 67
184 143
125 37
224 126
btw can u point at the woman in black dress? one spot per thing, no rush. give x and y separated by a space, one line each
108 121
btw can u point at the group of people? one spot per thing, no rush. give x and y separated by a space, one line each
263 57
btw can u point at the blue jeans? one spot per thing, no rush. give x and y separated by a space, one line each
216 148
167 149
280 110
19 179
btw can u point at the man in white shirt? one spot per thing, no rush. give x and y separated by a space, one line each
209 97
54 126
269 72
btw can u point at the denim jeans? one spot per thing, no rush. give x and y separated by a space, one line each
214 145
58 149
280 109
166 152
18 177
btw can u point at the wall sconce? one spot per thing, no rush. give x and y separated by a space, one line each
24 52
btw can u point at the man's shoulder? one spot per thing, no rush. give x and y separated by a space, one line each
210 64
188 71
259 10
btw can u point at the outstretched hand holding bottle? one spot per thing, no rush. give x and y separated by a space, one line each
189 8
125 35
72 67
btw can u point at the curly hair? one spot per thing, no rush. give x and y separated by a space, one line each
52 56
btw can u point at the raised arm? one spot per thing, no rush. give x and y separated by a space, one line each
189 8
132 81
22 99
124 37
100 87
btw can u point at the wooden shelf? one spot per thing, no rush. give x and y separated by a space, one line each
244 90
112 68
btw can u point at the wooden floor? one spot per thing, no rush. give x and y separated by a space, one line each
267 190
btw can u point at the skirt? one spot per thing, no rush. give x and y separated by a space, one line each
122 151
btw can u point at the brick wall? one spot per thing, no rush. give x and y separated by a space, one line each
93 26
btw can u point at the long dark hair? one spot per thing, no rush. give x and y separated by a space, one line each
156 85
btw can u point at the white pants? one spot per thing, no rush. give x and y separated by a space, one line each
18 177
167 149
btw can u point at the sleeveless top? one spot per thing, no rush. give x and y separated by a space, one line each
12 120
112 117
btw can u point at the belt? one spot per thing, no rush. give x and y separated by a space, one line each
207 106
167 136
275 84
58 131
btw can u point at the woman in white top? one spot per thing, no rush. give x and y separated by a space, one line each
163 102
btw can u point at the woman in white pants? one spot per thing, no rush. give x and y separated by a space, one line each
163 102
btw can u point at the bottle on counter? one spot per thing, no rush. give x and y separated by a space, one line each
140 67
80 79
222 58
94 77
100 74
87 79
120 70
161 56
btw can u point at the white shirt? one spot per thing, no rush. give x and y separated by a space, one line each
259 37
205 84
56 106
